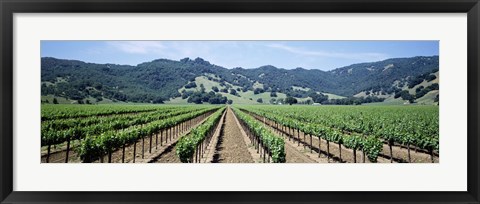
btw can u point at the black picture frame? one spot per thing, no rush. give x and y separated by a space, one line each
10 7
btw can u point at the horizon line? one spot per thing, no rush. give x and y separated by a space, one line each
238 67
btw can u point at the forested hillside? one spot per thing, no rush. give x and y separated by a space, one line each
163 80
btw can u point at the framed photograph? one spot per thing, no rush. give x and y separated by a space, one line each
239 101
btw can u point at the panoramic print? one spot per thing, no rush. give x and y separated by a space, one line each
240 102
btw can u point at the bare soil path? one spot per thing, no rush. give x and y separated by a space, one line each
231 146
211 146
294 156
169 155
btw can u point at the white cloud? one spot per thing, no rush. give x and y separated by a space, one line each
138 47
319 53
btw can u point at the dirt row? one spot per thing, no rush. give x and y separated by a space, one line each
293 154
231 146
210 144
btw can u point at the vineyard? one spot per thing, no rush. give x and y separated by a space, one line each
375 131
239 134
93 133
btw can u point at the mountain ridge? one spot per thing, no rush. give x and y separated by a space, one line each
161 79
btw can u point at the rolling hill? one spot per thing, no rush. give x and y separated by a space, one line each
173 81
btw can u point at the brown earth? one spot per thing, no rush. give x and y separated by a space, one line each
400 154
292 155
169 155
209 150
231 147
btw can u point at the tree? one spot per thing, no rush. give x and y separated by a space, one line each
46 101
195 99
186 94
318 98
229 101
98 86
431 77
273 94
401 94
405 95
191 85
233 92
290 100
414 81
157 100
55 101
214 88
258 90
260 100
185 60
214 100
419 89
273 101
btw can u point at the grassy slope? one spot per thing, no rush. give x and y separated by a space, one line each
428 99
61 100
333 96
424 84
244 97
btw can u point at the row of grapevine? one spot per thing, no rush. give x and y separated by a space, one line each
414 126
370 146
62 124
92 148
195 142
52 112
262 137
52 135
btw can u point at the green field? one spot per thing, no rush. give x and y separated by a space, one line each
99 130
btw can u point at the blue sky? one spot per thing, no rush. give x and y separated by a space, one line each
323 55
